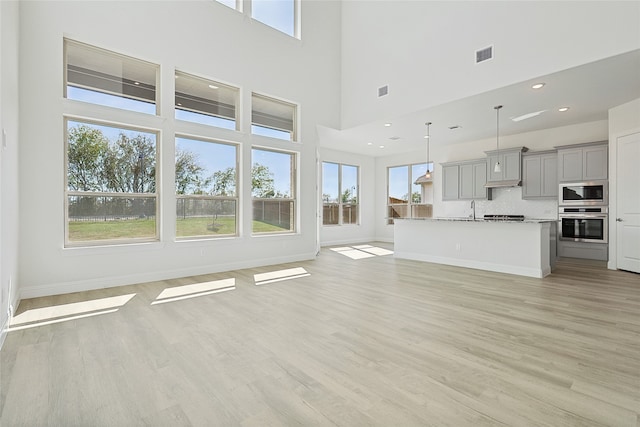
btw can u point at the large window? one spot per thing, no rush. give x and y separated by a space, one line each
273 178
339 194
279 14
205 101
404 197
110 184
273 118
102 77
206 195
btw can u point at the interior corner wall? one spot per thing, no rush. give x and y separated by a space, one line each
365 230
623 120
424 51
205 38
9 278
545 139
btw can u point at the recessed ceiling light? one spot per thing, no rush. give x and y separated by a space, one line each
369 143
387 124
179 105
563 109
538 86
382 146
426 137
136 83
213 86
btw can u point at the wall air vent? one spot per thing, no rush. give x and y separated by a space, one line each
394 138
484 54
382 91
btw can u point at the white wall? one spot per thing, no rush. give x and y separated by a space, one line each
508 200
365 231
200 37
9 160
623 120
425 50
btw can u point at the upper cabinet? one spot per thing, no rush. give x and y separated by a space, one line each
510 164
583 163
465 180
540 175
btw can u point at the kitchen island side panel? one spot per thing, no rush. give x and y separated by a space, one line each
521 248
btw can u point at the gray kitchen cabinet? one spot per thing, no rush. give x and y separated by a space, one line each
450 182
473 177
464 180
586 162
540 175
510 162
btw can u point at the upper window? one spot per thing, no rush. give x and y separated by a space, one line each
107 78
279 14
339 194
206 182
273 177
205 101
111 184
405 198
231 3
273 118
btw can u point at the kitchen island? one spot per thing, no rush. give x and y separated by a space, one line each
525 248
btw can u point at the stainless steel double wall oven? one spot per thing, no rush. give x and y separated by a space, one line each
583 211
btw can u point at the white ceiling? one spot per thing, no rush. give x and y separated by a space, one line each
589 91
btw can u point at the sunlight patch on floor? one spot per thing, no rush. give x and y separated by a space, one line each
361 251
280 275
65 312
178 293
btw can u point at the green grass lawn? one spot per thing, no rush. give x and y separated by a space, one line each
81 231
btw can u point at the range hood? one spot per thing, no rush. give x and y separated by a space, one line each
506 183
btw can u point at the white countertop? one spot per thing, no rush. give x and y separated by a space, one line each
466 219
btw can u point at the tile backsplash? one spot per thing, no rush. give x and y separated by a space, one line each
506 201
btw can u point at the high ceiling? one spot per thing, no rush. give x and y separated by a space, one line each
589 91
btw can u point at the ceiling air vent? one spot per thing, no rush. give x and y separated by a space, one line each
484 54
394 138
382 91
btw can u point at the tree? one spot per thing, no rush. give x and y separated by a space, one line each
189 173
130 165
349 196
87 148
262 182
224 182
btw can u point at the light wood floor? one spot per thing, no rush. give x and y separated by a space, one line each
373 341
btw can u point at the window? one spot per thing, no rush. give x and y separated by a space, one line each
205 101
102 77
278 14
339 194
110 184
405 199
230 3
273 118
273 177
206 182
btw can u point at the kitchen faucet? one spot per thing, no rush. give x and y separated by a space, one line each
473 209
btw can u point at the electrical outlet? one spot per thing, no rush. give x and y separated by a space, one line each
457 246
4 139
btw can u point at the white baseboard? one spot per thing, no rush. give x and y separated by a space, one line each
114 281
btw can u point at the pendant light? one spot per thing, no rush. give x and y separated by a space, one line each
497 168
427 176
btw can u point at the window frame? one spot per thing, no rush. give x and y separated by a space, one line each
235 198
294 137
294 193
411 206
65 83
340 203
71 193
